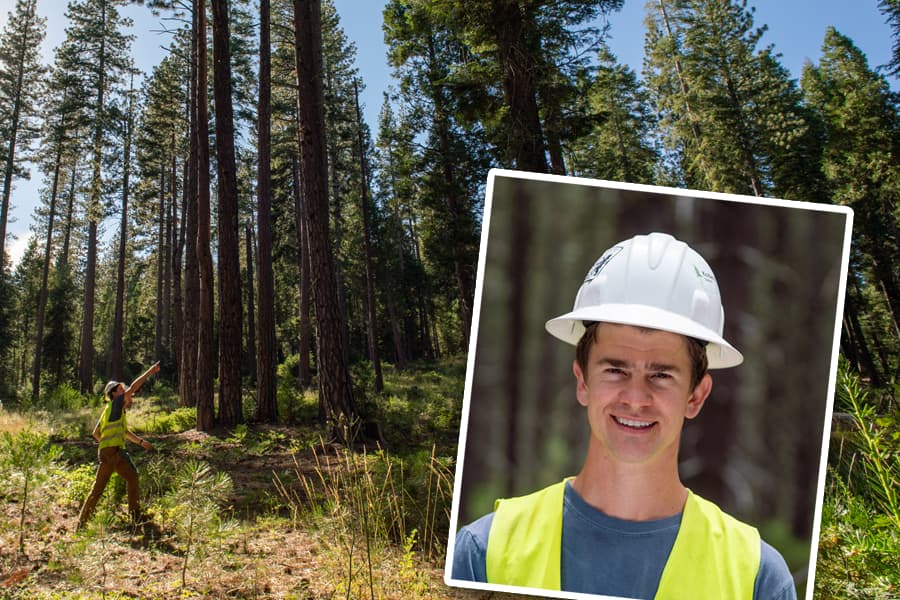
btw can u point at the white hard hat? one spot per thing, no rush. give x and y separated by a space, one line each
652 281
110 386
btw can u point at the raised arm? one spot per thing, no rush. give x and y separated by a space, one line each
137 383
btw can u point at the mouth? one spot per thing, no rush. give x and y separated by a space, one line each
633 424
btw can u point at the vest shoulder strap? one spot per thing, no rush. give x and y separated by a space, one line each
525 539
714 555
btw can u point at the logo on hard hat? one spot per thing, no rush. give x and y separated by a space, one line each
704 275
602 262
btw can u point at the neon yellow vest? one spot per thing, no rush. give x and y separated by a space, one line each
112 433
714 555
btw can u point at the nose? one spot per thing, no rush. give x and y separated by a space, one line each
636 392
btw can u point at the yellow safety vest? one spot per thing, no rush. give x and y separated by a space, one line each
112 433
714 555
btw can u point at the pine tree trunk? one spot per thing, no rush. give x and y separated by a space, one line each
70 208
250 354
45 276
338 220
519 92
367 242
335 390
187 373
177 256
230 310
305 342
455 211
12 127
167 273
86 362
117 351
86 356
160 266
267 405
205 358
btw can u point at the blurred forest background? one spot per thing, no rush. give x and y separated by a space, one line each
231 214
757 445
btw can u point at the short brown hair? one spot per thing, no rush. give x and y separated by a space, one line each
696 351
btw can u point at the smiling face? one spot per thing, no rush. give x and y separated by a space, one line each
636 386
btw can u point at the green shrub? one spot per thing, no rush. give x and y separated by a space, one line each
172 421
66 398
294 403
78 484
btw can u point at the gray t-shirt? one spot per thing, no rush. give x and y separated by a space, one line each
605 555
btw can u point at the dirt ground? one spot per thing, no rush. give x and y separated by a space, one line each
263 557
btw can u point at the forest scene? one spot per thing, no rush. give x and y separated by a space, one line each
308 281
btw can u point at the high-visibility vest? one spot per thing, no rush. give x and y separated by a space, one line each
112 433
714 555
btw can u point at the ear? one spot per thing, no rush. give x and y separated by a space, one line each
698 397
581 389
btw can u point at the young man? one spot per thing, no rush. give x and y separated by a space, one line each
647 324
111 432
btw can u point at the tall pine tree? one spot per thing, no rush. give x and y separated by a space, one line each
21 82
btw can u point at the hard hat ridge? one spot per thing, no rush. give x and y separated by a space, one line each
653 281
110 386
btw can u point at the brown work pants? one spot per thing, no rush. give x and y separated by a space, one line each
112 460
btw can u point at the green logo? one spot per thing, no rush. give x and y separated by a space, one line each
704 275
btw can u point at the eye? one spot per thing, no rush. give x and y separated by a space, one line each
614 373
661 376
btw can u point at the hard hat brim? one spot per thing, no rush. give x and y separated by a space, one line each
569 328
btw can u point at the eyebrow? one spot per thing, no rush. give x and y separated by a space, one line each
625 364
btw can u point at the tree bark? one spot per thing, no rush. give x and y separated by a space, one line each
250 353
304 375
177 255
45 276
519 91
160 268
187 373
230 310
267 405
117 350
335 390
86 362
205 357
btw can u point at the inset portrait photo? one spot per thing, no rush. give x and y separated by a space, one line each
648 394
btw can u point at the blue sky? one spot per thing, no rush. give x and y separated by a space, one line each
795 28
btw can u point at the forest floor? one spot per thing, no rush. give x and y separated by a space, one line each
301 518
262 553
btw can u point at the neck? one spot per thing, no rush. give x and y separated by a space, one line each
633 492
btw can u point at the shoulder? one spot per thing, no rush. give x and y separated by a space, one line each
470 550
474 536
774 580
